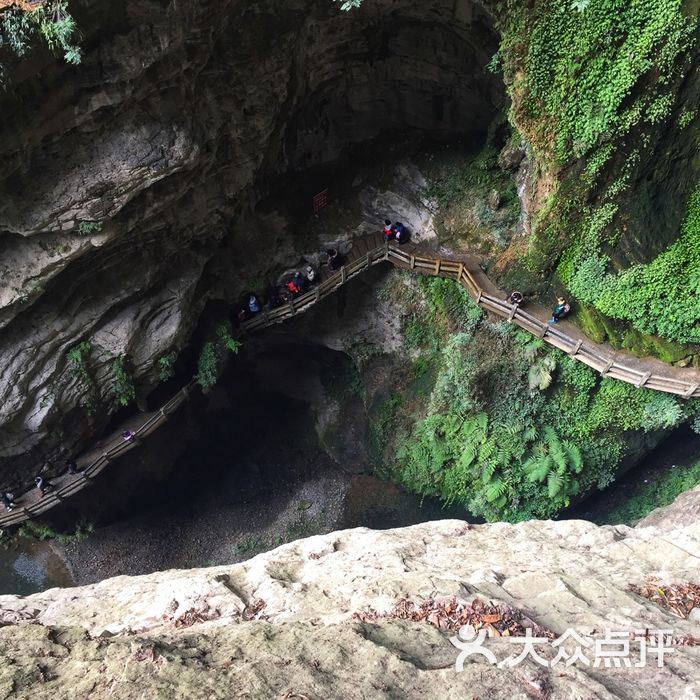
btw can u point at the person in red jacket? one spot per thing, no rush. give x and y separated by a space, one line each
389 231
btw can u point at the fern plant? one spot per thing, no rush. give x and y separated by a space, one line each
555 462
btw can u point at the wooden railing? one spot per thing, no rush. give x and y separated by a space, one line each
305 301
90 471
609 365
613 366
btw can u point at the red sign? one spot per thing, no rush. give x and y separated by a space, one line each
320 201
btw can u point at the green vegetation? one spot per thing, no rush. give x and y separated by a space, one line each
225 339
36 530
29 290
166 366
583 61
50 23
211 357
659 490
87 228
207 369
662 297
347 5
591 81
512 429
382 418
481 174
123 386
77 358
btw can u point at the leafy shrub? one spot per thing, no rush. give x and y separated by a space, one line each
513 429
662 297
123 386
49 22
581 66
207 369
212 357
223 334
77 357
659 490
662 411
166 366
87 228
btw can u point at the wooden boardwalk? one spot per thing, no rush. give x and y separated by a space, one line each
91 463
371 250
367 252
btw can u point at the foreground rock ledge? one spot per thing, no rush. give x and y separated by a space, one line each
281 625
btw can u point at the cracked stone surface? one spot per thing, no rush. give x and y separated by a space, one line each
282 622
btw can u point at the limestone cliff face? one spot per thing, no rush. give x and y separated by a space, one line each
173 126
282 623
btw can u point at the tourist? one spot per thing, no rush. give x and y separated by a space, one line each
310 274
334 259
128 436
292 287
300 281
515 298
401 234
560 310
43 485
72 466
8 500
389 231
253 305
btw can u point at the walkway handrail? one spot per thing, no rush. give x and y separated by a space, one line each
581 350
91 470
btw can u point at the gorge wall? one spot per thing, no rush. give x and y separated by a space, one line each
122 180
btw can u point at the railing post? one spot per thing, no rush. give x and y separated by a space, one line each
576 348
691 390
512 312
643 380
292 307
607 366
318 295
413 262
343 275
368 264
437 266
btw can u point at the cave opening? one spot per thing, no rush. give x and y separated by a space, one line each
276 451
